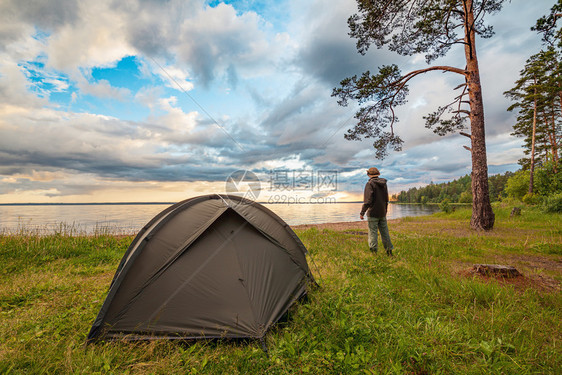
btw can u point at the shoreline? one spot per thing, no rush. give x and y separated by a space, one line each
338 226
76 232
343 225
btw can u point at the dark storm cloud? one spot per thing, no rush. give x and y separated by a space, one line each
58 187
331 60
46 15
153 26
167 168
102 164
328 53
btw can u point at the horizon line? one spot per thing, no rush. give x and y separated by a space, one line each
143 203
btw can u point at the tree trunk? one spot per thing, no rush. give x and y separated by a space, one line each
554 125
547 139
532 172
482 214
554 144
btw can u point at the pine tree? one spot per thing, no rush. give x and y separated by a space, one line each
431 27
534 95
552 37
546 25
538 98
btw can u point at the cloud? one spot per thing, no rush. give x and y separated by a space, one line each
18 18
96 38
209 42
264 72
172 146
202 39
102 89
14 88
174 77
325 50
151 27
217 39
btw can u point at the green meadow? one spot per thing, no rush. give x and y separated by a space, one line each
423 311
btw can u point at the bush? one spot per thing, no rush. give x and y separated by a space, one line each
445 206
547 181
518 185
509 202
531 199
465 197
553 203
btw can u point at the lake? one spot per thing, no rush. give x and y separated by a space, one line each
130 218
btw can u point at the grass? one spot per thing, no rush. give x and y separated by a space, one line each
420 312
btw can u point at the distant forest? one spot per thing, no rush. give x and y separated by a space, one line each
456 191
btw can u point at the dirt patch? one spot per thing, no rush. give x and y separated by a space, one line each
521 283
496 270
532 262
508 275
531 267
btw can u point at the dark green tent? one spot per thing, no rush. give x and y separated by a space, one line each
215 266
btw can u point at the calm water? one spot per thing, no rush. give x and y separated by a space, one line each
130 218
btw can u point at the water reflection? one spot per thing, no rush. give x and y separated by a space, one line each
129 218
339 212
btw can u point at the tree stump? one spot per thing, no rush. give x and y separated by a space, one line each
515 212
496 270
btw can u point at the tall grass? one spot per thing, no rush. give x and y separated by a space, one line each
419 312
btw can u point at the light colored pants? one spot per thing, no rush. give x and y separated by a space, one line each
382 226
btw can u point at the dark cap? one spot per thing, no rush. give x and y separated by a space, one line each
373 171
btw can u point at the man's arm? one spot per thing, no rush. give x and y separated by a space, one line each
367 199
386 195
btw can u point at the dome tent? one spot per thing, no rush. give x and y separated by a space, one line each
214 266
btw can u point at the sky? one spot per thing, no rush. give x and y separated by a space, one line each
159 101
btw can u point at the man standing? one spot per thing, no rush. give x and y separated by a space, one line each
375 203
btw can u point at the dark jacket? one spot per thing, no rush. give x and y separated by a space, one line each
375 198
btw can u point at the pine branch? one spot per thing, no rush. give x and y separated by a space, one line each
415 73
